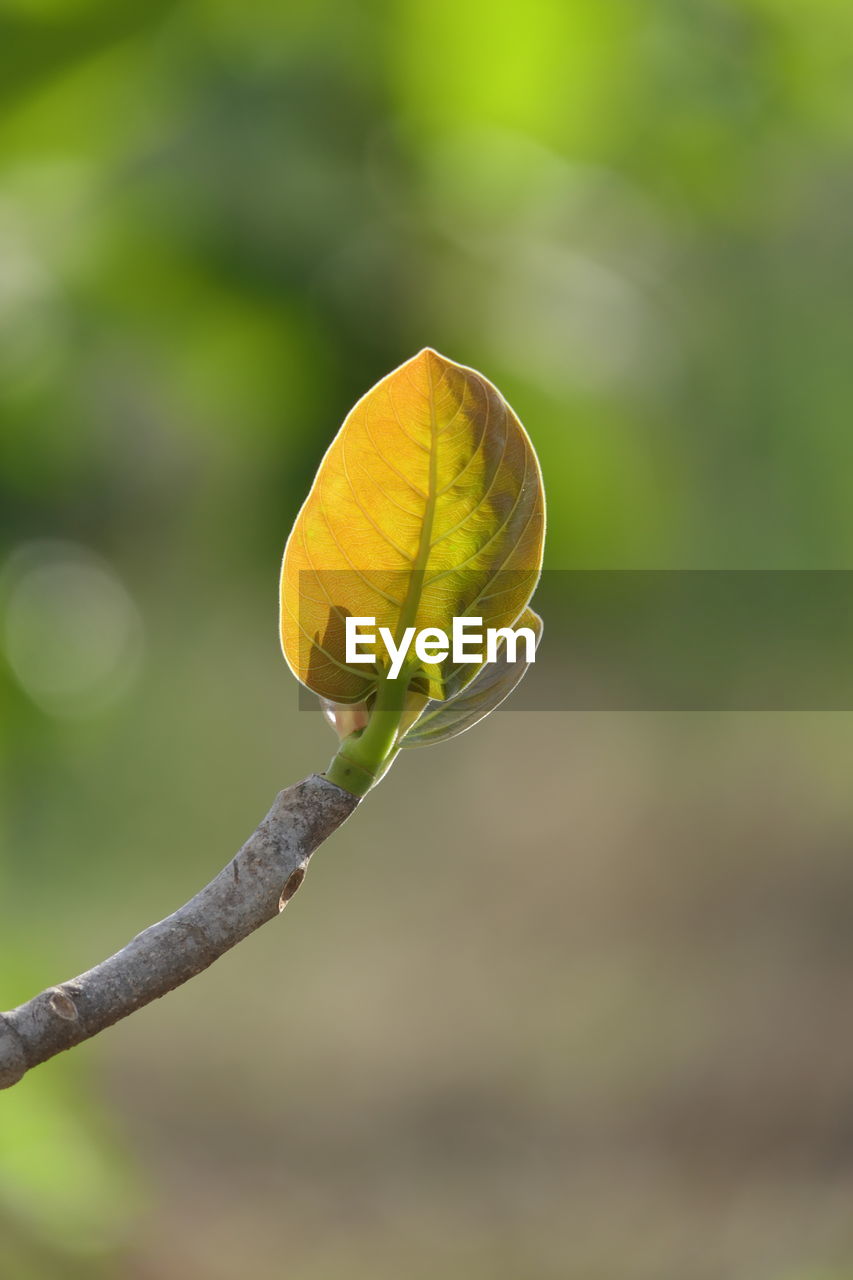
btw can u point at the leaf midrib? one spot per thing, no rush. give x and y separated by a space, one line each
409 611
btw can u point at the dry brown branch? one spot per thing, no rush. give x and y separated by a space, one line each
252 889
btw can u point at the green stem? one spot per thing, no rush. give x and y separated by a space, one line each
363 757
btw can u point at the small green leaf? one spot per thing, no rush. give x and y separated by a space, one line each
494 682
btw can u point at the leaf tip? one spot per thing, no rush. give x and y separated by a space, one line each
431 359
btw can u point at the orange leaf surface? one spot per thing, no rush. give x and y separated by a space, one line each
427 505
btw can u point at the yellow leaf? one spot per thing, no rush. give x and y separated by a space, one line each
428 505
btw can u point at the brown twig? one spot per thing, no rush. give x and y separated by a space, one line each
252 889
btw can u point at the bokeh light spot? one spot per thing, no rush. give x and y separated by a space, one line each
71 632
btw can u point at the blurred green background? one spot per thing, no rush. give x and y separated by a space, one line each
570 996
